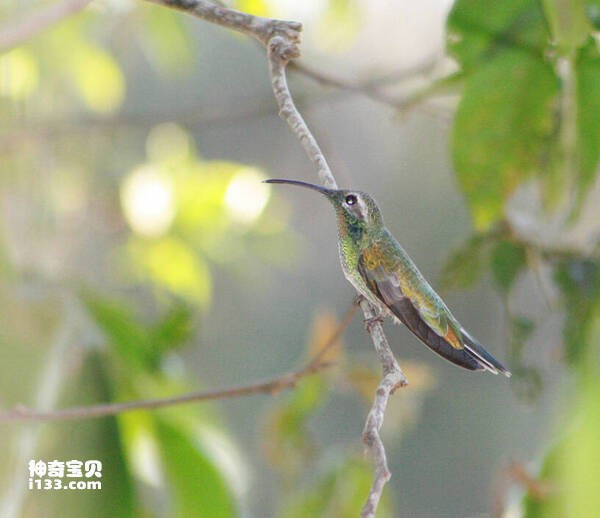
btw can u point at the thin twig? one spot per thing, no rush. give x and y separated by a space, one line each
280 51
372 90
16 32
273 386
368 90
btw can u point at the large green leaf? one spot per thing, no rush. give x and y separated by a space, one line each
504 129
197 487
288 443
93 439
172 331
137 345
477 30
116 321
465 265
517 118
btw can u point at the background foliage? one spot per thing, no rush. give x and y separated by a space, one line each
140 251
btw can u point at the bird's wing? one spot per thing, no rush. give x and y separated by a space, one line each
436 328
397 293
417 306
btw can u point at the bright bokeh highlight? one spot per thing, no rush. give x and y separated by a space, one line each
246 196
148 201
19 75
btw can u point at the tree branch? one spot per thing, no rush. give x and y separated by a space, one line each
280 52
273 386
263 29
16 32
393 378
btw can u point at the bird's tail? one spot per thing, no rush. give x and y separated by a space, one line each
472 356
485 359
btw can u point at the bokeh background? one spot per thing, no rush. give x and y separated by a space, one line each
141 256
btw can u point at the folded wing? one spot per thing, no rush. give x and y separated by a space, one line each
434 328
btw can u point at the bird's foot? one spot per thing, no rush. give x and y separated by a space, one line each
370 323
358 299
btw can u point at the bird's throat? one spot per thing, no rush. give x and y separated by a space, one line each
351 230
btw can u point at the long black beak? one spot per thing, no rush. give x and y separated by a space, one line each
318 188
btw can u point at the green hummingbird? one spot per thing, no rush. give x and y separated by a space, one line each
378 267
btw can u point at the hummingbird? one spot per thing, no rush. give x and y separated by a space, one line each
379 268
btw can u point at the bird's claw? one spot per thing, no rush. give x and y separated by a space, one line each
358 299
372 322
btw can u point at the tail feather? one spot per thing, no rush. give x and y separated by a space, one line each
483 357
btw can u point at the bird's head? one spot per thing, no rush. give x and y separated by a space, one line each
352 207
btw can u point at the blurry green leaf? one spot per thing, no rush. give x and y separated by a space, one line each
174 330
502 130
587 69
173 264
339 493
178 452
508 260
478 30
522 328
98 78
527 381
136 345
94 439
117 322
168 43
579 283
571 470
288 443
200 198
197 487
465 265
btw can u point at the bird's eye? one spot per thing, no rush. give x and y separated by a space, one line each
351 199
